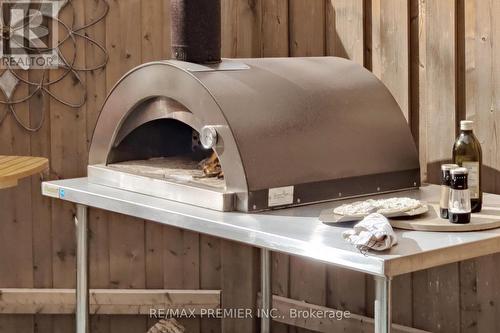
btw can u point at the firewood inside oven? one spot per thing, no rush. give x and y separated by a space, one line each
211 167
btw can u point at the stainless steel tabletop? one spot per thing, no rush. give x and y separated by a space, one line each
295 231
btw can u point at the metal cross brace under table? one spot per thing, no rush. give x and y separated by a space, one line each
295 231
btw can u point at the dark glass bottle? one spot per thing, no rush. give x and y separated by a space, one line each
459 206
467 153
445 188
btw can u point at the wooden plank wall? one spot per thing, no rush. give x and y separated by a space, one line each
439 58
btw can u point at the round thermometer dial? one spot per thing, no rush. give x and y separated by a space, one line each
208 137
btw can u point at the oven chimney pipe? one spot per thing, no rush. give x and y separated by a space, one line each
196 30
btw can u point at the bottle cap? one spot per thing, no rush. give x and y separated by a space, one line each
459 171
466 125
447 167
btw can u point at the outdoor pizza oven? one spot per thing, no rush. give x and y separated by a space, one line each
283 131
249 134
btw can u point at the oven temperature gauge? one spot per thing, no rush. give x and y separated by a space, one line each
208 137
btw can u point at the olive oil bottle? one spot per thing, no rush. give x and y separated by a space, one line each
467 153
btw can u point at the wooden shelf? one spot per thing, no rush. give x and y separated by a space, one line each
107 301
14 168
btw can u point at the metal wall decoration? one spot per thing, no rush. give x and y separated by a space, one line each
24 28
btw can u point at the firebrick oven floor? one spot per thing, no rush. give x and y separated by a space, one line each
176 168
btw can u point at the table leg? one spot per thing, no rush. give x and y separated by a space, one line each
82 289
383 305
266 292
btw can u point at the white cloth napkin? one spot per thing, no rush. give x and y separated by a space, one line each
373 232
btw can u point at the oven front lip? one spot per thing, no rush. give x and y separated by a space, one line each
220 200
201 196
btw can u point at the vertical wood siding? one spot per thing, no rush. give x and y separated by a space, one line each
439 58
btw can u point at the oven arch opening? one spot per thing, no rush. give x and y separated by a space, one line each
161 138
167 149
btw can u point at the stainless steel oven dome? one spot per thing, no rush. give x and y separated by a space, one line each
287 131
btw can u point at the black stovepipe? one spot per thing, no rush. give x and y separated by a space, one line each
196 30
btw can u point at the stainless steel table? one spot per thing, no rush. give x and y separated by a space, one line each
295 231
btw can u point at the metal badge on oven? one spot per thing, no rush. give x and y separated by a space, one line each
208 137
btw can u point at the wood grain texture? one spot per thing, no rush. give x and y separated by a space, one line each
479 279
402 300
95 81
436 300
339 280
390 48
155 30
126 235
155 248
414 71
307 27
479 294
182 265
98 220
483 83
107 301
460 89
15 168
355 322
308 282
436 306
40 206
280 283
440 84
241 28
16 234
99 261
127 266
68 159
229 27
240 284
155 45
249 38
367 31
210 275
275 28
345 29
421 60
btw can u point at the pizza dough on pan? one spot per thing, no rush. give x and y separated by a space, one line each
382 206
